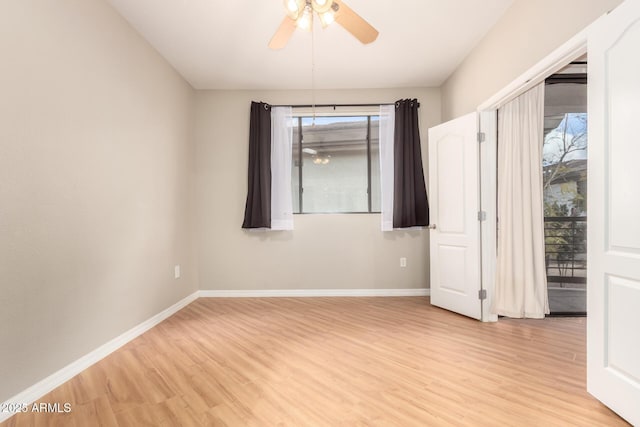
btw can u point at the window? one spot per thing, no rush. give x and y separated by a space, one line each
336 164
565 189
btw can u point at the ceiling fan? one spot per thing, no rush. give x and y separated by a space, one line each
300 14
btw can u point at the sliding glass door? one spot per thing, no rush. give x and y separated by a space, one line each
565 189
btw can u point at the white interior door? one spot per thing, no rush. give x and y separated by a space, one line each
455 232
613 281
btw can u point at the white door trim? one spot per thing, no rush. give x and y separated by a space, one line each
567 52
488 179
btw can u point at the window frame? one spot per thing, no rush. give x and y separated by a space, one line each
298 143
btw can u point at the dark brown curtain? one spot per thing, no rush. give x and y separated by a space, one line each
410 206
257 210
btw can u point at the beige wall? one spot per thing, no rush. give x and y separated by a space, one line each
98 173
325 251
527 32
95 165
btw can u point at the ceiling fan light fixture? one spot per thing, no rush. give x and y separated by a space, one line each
294 8
321 160
327 18
304 21
300 14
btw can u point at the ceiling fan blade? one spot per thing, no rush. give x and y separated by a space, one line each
283 33
354 23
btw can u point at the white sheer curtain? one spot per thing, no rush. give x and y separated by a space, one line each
387 127
521 283
281 146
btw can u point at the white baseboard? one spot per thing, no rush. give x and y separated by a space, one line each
267 293
56 379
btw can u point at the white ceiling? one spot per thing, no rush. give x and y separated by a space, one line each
219 44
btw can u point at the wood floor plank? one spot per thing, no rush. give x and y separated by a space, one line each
335 362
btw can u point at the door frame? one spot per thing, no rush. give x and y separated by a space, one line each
487 113
487 171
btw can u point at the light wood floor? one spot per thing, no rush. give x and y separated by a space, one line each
336 362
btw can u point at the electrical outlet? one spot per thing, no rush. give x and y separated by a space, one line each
403 262
176 272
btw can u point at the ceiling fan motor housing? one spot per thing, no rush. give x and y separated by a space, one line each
295 8
321 6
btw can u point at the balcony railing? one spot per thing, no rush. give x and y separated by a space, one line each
566 249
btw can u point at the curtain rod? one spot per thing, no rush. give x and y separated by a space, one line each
334 105
331 105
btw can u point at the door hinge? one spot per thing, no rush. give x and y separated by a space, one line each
482 216
482 294
481 136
